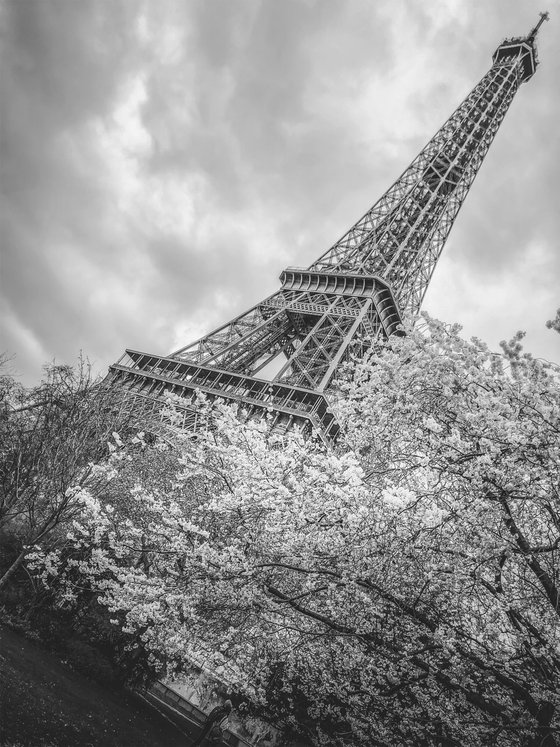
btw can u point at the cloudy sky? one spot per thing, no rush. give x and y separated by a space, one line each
163 160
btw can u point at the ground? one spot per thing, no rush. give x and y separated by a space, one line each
44 703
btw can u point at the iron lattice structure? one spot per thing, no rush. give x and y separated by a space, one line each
352 296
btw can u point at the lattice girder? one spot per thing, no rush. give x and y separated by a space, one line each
395 242
354 308
310 320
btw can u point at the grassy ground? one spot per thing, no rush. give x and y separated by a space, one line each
44 703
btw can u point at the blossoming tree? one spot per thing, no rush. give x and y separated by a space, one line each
399 589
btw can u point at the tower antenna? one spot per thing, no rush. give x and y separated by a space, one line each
543 17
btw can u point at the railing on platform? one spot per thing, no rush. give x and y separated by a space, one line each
170 697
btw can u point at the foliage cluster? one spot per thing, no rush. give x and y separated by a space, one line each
399 589
51 437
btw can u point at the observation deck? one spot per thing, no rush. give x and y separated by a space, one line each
519 47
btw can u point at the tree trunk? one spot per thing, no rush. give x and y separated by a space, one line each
12 569
545 736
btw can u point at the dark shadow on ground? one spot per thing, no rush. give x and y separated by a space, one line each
44 703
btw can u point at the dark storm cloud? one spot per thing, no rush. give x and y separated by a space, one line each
254 131
163 162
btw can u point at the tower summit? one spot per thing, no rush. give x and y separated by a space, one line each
350 297
522 48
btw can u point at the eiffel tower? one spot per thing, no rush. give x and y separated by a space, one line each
349 298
